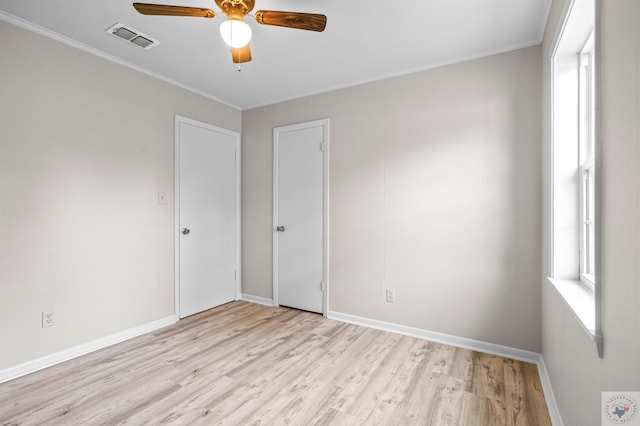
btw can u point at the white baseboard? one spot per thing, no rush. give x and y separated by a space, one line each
549 396
256 299
462 342
76 351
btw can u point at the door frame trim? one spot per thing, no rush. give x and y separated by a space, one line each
324 123
236 136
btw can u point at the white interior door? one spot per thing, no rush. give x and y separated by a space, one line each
206 216
300 206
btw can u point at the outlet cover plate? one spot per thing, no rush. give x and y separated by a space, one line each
47 319
390 295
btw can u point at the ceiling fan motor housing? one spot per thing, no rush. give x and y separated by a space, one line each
236 9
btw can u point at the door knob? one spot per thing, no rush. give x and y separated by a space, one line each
185 231
280 229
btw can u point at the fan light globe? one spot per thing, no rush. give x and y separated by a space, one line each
235 33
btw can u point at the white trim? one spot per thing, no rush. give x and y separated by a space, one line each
598 213
176 218
595 330
30 26
394 74
580 300
324 123
549 396
560 29
325 301
83 349
464 343
238 266
447 339
92 50
274 218
238 218
256 299
553 49
551 174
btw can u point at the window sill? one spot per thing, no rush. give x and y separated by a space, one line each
582 302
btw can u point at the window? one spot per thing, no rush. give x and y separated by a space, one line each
574 200
586 95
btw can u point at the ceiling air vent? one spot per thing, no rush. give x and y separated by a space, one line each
132 36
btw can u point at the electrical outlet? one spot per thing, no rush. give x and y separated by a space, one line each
47 319
391 295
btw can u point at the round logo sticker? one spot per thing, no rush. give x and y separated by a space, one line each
621 409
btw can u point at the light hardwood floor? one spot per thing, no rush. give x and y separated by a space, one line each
247 364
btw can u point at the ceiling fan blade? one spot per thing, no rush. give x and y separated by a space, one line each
161 9
241 54
301 21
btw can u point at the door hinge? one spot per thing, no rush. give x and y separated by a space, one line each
322 146
235 275
322 286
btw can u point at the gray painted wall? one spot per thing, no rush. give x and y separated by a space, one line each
435 191
85 146
577 374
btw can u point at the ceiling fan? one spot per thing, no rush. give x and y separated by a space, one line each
235 32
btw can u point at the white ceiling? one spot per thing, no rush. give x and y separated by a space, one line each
365 40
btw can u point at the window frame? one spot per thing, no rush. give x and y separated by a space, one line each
579 19
586 168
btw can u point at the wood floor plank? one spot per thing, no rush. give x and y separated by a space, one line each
488 375
480 410
247 364
523 395
379 400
